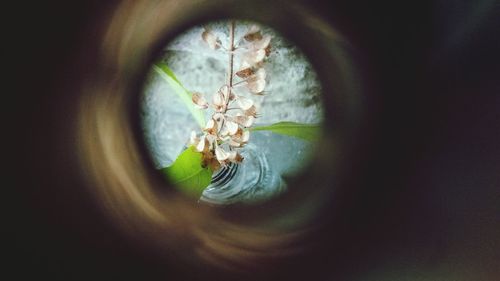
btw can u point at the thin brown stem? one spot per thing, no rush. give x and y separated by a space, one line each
239 83
230 68
231 57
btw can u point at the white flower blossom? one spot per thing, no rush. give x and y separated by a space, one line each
227 130
212 40
199 101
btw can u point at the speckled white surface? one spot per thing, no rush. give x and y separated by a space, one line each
292 91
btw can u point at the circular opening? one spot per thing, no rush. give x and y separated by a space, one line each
113 143
231 111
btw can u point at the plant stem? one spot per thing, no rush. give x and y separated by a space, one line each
231 59
239 83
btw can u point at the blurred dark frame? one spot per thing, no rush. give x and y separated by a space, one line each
428 188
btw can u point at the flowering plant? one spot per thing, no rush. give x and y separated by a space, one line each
231 110
234 110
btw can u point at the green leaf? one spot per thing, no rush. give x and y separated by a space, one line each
168 75
187 173
308 132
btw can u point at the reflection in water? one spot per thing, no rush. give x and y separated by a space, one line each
254 180
261 177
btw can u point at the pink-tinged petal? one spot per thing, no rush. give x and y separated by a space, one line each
245 72
211 139
212 40
254 57
199 100
261 73
262 43
244 65
210 124
218 99
233 143
211 127
252 111
227 129
253 29
249 122
245 136
225 91
223 133
232 127
218 117
225 138
219 102
253 33
245 121
232 155
241 137
193 139
257 86
220 154
235 157
227 94
244 103
200 147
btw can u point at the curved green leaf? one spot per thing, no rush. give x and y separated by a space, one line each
168 75
187 173
308 132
